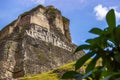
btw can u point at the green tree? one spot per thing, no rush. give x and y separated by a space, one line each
105 46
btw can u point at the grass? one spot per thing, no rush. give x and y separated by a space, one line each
43 76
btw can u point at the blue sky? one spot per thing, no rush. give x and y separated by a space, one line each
83 14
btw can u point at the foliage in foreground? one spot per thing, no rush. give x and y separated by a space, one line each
105 46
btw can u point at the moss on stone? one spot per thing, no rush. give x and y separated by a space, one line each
8 46
53 12
41 56
11 24
65 20
43 76
34 9
23 28
41 6
24 14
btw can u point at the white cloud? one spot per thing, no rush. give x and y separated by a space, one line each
81 1
101 12
117 15
38 1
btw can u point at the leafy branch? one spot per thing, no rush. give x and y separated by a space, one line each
106 47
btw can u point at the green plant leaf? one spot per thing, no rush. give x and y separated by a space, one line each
92 64
69 75
111 75
93 41
107 62
87 74
111 20
96 42
105 72
117 35
117 79
90 41
81 47
82 60
96 31
117 57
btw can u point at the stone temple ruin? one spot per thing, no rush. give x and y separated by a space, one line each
38 41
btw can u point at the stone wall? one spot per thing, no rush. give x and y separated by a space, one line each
59 23
4 32
10 28
66 29
24 20
38 17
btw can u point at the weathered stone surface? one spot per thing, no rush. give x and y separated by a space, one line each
40 19
37 41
